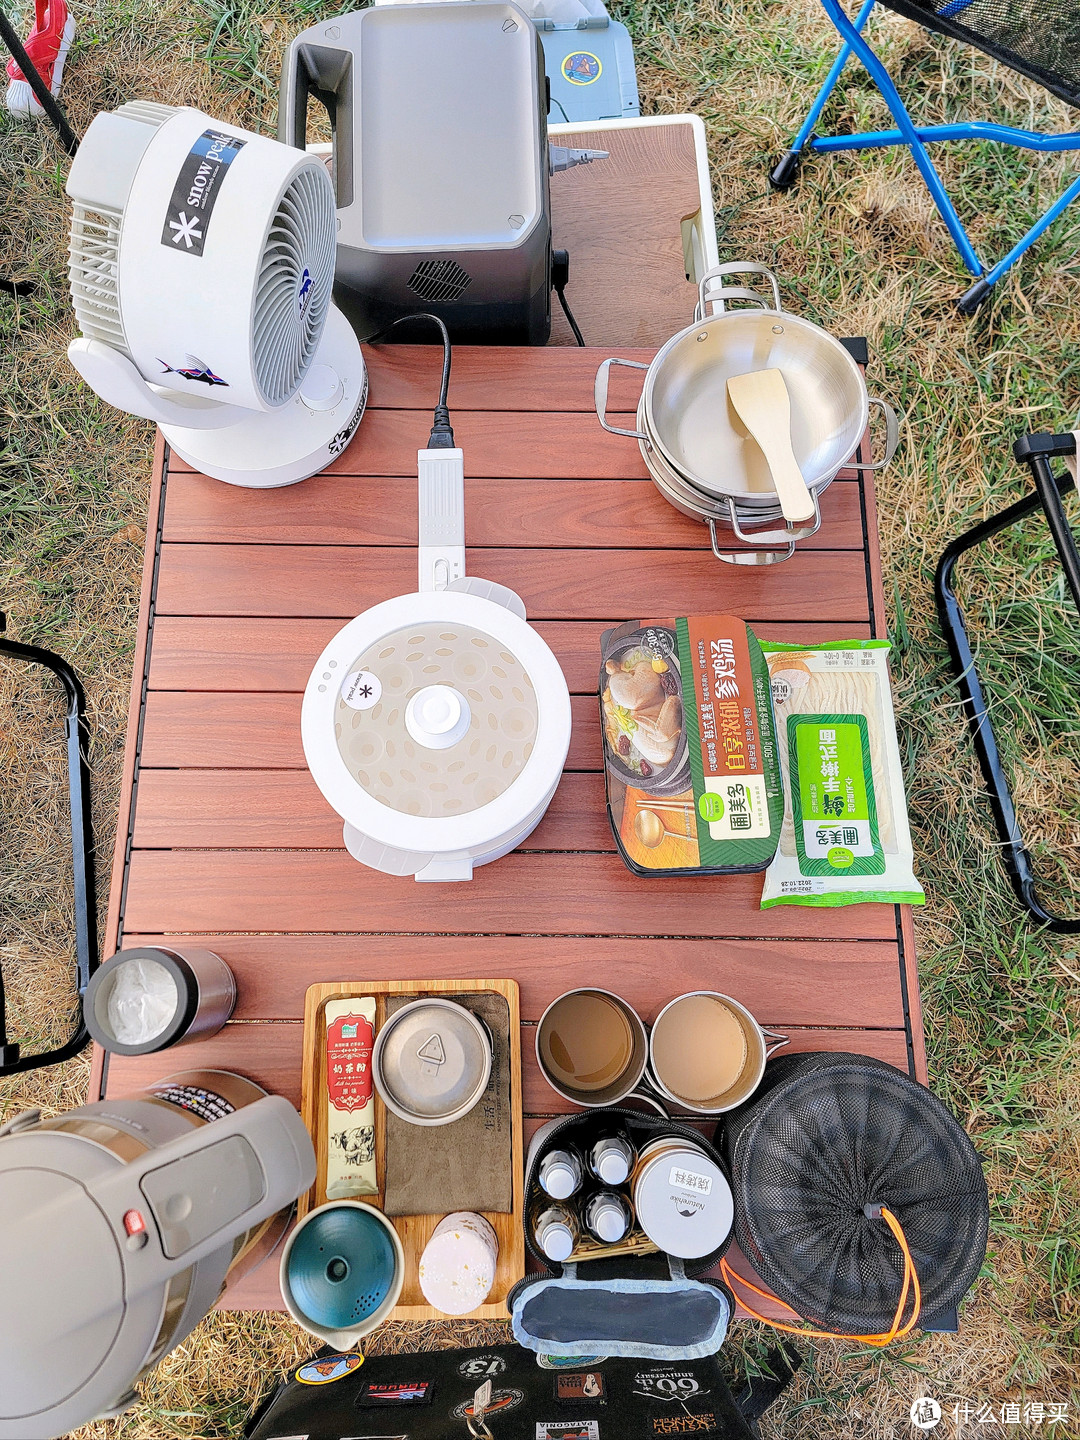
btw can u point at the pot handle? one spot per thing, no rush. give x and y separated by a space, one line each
752 556
600 389
712 290
644 1096
778 1042
892 438
748 557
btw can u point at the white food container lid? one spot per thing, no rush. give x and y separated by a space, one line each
457 1268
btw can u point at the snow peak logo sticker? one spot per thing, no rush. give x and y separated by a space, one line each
339 441
408 1392
196 191
587 1385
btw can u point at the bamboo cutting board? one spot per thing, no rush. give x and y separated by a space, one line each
415 1230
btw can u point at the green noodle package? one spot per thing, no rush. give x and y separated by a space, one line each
845 835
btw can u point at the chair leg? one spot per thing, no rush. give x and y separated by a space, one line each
904 123
785 172
971 299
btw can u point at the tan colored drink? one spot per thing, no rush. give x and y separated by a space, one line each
586 1041
698 1048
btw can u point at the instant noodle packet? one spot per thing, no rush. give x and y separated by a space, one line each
690 752
845 836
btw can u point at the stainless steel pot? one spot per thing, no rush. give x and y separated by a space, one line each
698 451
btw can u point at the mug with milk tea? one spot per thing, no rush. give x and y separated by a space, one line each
707 1053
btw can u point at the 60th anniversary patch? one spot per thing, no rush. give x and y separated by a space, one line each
196 191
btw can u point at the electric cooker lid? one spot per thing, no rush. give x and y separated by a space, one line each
63 1280
436 719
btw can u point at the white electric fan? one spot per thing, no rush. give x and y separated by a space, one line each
201 268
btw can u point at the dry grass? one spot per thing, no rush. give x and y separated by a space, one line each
859 249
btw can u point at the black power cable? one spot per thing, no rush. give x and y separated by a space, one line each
442 434
560 274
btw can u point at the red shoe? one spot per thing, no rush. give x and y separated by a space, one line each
47 46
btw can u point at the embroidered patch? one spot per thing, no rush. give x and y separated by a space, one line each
501 1400
405 1392
482 1367
584 1385
569 1362
567 1430
330 1367
668 1385
684 1424
582 67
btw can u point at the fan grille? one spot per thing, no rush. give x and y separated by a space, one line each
93 246
92 251
439 280
296 278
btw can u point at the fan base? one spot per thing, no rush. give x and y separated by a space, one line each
265 449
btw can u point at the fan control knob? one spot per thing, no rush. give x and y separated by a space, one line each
322 388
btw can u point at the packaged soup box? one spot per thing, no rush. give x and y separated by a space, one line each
690 757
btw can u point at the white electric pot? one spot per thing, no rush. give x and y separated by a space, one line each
437 724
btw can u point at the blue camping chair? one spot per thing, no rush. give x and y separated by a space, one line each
1043 44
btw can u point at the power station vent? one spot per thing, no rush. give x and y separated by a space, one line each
439 280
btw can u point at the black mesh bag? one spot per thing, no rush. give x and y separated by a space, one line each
825 1135
1040 40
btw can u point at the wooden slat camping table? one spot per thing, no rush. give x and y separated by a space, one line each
225 841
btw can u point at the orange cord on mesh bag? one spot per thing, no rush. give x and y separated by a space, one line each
896 1331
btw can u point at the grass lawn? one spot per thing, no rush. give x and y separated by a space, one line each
859 250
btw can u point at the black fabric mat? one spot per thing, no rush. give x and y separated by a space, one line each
428 1397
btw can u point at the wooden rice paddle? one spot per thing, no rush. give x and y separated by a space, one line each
761 400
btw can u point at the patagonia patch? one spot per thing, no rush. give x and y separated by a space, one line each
567 1430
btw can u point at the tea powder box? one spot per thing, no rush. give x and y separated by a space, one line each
350 1101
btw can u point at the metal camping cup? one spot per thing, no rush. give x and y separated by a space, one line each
698 453
431 1061
753 1036
593 1050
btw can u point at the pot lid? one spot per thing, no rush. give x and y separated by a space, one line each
436 719
436 722
432 1061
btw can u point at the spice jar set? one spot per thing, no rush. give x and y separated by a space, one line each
606 1184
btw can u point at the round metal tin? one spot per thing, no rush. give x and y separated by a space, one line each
431 1062
682 1198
